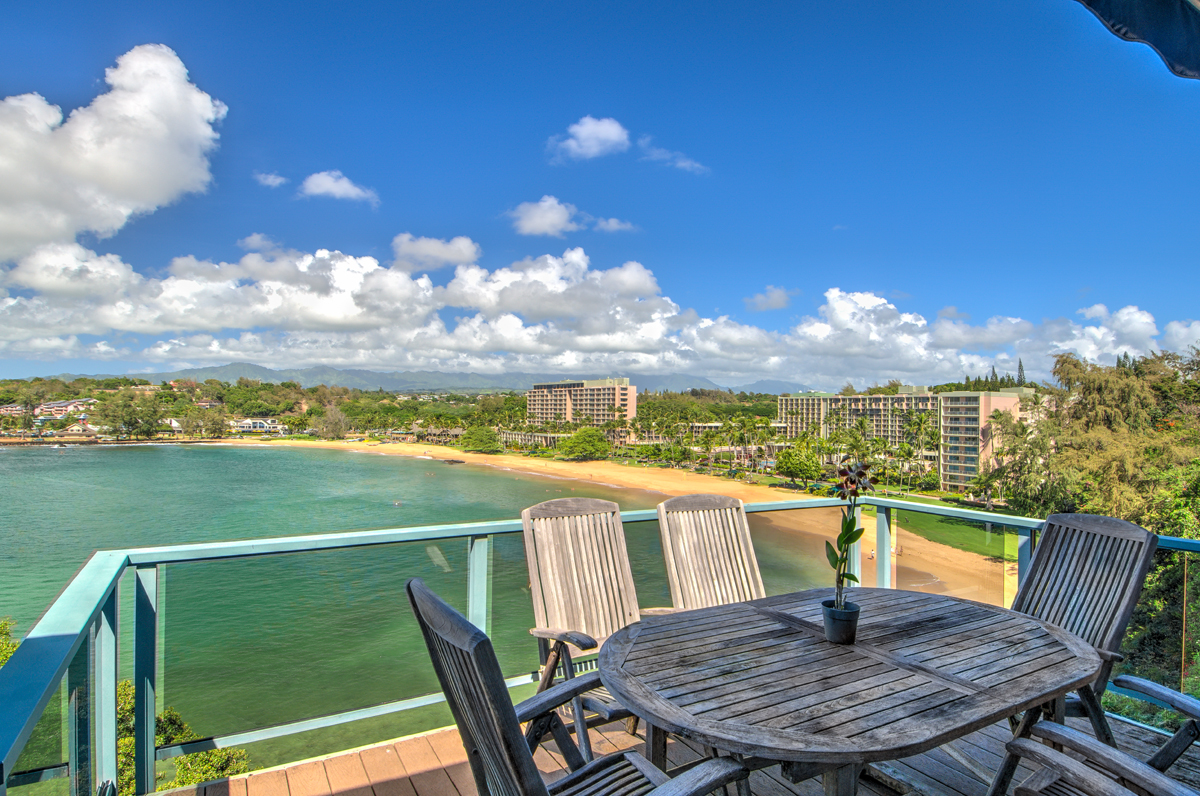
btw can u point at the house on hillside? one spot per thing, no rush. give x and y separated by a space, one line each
57 409
80 429
259 425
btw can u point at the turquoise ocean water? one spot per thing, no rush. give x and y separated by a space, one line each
257 642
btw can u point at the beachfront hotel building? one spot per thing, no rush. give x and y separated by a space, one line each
827 411
572 401
966 436
966 432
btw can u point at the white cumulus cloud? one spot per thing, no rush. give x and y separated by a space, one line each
773 298
141 145
613 225
414 253
589 138
550 313
336 185
675 159
271 180
547 216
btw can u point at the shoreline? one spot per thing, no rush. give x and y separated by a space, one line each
951 571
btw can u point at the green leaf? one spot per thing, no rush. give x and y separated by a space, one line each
831 554
850 578
858 534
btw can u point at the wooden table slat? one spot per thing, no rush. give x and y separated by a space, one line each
759 678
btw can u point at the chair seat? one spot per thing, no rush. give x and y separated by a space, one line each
603 704
616 775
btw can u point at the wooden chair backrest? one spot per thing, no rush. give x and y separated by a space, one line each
1087 575
466 667
579 566
710 557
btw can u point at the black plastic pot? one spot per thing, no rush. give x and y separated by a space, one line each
841 625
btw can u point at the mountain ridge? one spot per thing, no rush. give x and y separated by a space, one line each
427 380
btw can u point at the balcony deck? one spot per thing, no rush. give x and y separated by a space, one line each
434 764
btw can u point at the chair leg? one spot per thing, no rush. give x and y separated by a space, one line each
1095 714
551 667
581 728
631 725
1180 742
1008 767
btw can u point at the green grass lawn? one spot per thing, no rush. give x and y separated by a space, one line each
963 534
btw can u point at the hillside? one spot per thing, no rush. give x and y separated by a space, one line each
408 381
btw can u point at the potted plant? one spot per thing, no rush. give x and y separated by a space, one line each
841 616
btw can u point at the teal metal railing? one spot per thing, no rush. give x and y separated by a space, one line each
76 639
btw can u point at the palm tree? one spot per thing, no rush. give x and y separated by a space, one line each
921 429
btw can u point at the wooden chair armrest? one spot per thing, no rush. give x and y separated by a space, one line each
552 697
1189 706
1112 760
1072 771
657 611
1109 656
706 777
581 640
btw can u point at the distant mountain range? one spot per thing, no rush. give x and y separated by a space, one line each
435 381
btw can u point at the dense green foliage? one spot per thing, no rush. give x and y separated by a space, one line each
1122 441
989 383
585 444
7 644
794 463
481 440
203 409
170 728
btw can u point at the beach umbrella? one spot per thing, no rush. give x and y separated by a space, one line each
1170 27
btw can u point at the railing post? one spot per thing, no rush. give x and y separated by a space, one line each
854 565
79 721
105 685
145 662
479 582
883 547
1024 552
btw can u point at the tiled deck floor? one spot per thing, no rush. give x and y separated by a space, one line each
434 764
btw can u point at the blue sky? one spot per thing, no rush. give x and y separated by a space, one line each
816 192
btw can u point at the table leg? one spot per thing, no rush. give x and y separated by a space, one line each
656 746
1008 767
841 781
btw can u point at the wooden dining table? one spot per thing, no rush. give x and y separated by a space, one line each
758 679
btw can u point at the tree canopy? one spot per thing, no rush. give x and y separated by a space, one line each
585 444
481 439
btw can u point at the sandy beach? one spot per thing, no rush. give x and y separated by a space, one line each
921 564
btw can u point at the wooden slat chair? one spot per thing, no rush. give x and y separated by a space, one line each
1086 577
500 755
582 590
1185 736
1104 771
709 555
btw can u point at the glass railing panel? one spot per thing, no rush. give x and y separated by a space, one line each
1162 642
511 614
47 747
945 555
252 643
790 547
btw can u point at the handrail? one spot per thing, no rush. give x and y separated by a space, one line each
45 656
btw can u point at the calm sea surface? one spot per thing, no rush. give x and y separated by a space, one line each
256 642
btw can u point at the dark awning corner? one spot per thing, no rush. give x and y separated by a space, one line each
1170 27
